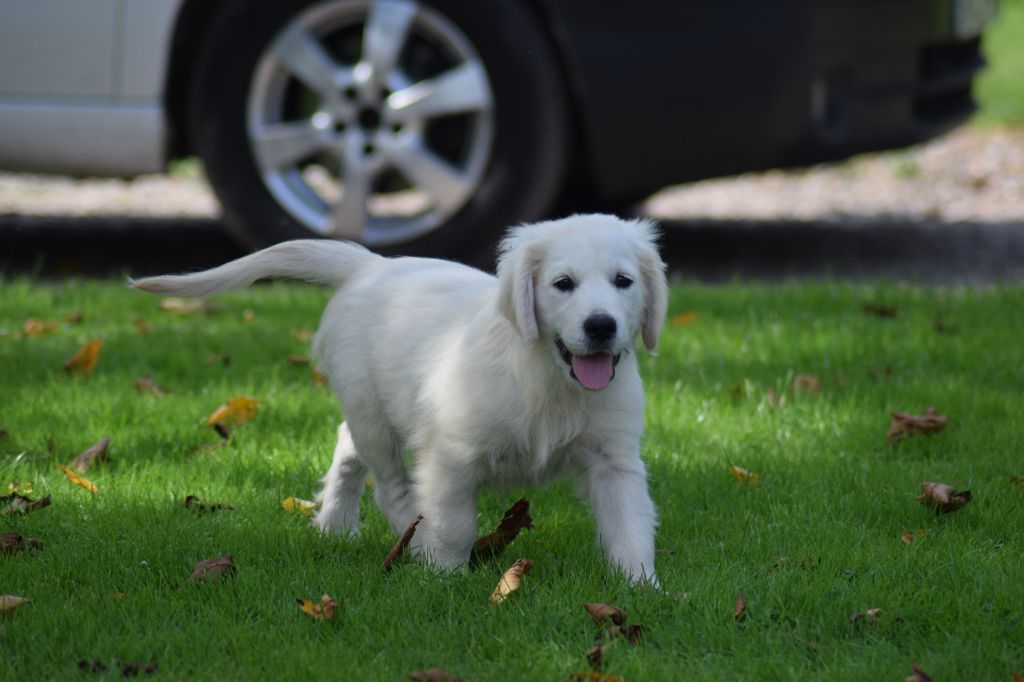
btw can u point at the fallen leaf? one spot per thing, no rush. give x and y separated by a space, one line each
234 412
773 398
510 580
943 498
803 562
95 666
905 424
631 633
194 503
806 383
297 359
601 612
211 569
78 480
943 327
742 475
294 505
740 607
19 504
433 675
403 541
248 316
147 385
594 676
217 358
133 668
918 675
908 537
683 319
319 378
9 602
141 326
94 454
880 310
322 611
38 328
884 373
1017 481
3 433
302 335
13 543
182 306
1017 677
869 616
74 317
516 518
85 358
596 654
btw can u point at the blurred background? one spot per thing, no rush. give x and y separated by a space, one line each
772 139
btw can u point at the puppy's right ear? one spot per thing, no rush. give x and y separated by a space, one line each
516 267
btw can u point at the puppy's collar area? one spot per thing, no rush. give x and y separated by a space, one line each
593 371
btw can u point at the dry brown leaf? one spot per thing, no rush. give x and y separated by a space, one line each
217 358
906 424
918 675
869 616
884 373
74 317
302 335
234 412
943 498
294 505
403 541
1017 677
211 569
631 633
195 504
803 562
773 398
744 476
95 666
141 326
596 653
297 359
85 358
1017 480
740 607
9 602
433 675
80 481
184 306
880 310
601 612
907 538
133 668
13 543
318 611
94 454
19 504
594 676
318 378
683 319
516 518
510 580
38 328
3 433
147 385
806 383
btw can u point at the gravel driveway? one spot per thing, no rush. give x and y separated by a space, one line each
971 175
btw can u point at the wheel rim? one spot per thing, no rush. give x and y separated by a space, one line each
370 120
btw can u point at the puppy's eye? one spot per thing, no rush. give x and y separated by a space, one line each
622 281
565 284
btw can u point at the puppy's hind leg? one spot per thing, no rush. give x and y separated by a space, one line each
380 449
343 486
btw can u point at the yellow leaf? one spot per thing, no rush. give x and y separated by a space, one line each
23 487
248 316
182 306
322 611
741 474
234 412
683 319
84 360
302 335
294 505
141 326
78 480
37 328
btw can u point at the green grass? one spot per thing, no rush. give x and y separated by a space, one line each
1000 88
111 582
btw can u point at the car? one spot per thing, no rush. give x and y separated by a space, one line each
427 127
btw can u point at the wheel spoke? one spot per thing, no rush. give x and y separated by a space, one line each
348 215
284 144
463 89
303 55
384 36
425 170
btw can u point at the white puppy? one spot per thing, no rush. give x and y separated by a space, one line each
501 382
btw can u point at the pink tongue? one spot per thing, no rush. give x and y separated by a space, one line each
593 371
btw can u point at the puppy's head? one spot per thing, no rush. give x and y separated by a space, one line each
585 286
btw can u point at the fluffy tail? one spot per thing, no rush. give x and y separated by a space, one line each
315 260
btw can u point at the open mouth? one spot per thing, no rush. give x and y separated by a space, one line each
593 371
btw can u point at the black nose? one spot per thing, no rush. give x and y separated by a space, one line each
599 328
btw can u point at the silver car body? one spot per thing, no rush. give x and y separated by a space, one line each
90 75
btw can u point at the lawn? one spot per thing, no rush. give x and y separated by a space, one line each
1000 88
831 528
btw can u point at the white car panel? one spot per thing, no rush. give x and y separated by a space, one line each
145 23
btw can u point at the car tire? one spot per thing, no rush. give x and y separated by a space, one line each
512 172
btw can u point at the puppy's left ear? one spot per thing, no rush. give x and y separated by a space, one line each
516 267
652 273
